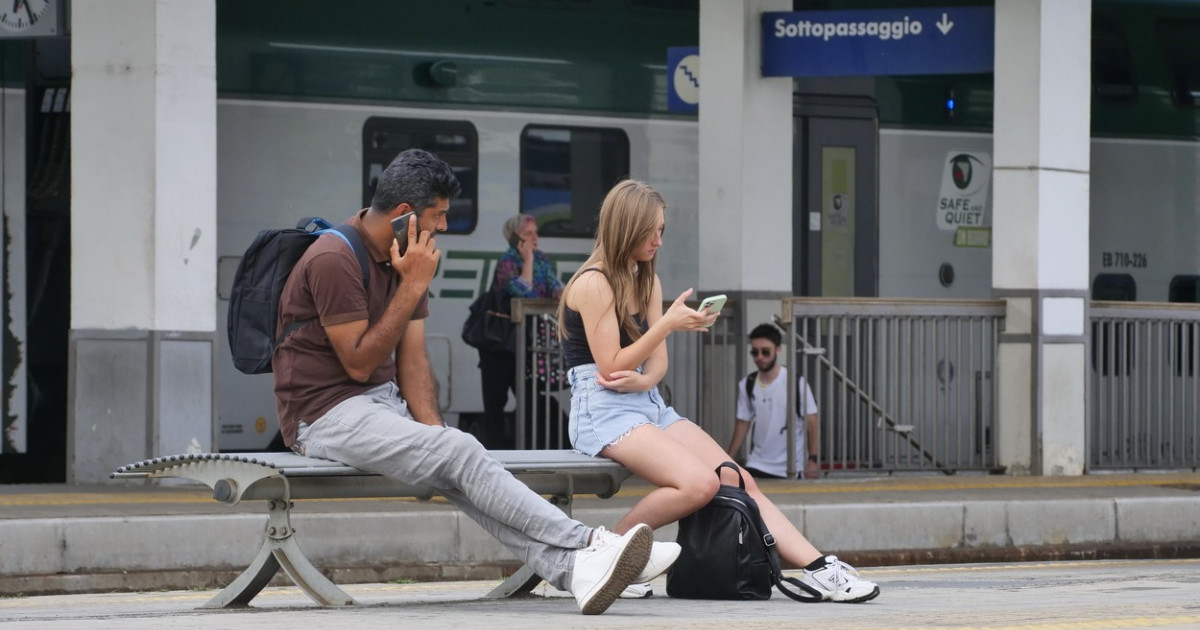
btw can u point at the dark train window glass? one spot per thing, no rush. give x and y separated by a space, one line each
454 141
565 173
1112 65
1114 287
1112 342
1181 42
1185 289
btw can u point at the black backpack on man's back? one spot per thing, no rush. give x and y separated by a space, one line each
258 283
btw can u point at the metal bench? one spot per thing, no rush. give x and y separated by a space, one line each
281 478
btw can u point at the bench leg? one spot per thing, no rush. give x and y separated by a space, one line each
524 580
280 550
249 583
287 553
520 583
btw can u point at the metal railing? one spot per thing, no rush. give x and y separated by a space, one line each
698 383
908 385
1145 386
900 384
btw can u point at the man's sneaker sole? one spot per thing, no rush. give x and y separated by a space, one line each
858 600
629 564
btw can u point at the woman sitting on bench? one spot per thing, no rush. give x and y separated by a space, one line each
614 335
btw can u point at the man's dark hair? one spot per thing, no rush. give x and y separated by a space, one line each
416 177
768 332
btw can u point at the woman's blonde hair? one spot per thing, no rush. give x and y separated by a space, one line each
628 216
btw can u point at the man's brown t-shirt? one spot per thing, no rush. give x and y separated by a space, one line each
326 287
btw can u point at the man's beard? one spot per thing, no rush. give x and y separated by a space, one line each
770 365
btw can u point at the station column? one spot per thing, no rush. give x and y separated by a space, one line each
1040 245
143 238
745 182
745 148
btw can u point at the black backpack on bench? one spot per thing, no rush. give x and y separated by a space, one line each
728 552
258 283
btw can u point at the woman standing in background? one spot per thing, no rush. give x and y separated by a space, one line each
522 272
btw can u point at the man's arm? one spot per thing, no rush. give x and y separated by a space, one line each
739 435
813 443
418 387
744 413
360 348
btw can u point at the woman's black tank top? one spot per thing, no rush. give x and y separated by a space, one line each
575 346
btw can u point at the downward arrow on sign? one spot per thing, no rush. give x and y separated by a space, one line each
945 25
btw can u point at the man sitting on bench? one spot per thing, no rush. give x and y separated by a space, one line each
343 395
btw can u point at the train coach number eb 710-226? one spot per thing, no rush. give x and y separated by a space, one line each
1134 260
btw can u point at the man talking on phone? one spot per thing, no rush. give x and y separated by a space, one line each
353 384
762 411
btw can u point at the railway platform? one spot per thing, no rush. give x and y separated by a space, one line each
130 538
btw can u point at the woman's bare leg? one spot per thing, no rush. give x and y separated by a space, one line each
684 482
794 549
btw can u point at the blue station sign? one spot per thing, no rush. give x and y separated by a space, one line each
928 40
683 79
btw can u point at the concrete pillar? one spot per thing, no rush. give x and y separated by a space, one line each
745 183
745 154
143 237
1040 233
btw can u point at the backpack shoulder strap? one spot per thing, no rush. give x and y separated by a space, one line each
750 385
347 233
801 591
354 240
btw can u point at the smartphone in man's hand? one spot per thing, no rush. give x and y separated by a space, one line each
400 229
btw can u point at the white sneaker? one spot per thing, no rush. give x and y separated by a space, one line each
604 568
637 591
839 582
662 556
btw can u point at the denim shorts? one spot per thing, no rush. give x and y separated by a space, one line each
600 417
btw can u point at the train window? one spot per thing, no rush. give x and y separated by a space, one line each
1112 342
565 173
1114 287
1112 65
454 141
1185 289
1181 43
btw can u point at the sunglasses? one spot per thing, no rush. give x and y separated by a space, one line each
765 352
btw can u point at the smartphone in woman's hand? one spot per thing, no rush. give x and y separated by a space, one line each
711 305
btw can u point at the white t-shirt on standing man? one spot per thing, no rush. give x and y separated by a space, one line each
767 414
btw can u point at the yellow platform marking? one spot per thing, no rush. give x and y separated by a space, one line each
1100 624
637 489
1009 566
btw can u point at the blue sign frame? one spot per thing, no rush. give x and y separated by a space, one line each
928 40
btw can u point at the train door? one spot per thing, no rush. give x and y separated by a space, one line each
835 216
835 243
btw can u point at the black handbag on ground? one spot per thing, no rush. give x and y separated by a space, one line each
489 326
728 552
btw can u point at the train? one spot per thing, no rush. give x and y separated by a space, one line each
541 105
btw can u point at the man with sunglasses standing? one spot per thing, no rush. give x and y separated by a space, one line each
762 412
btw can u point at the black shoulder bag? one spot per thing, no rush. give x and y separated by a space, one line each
489 326
728 552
